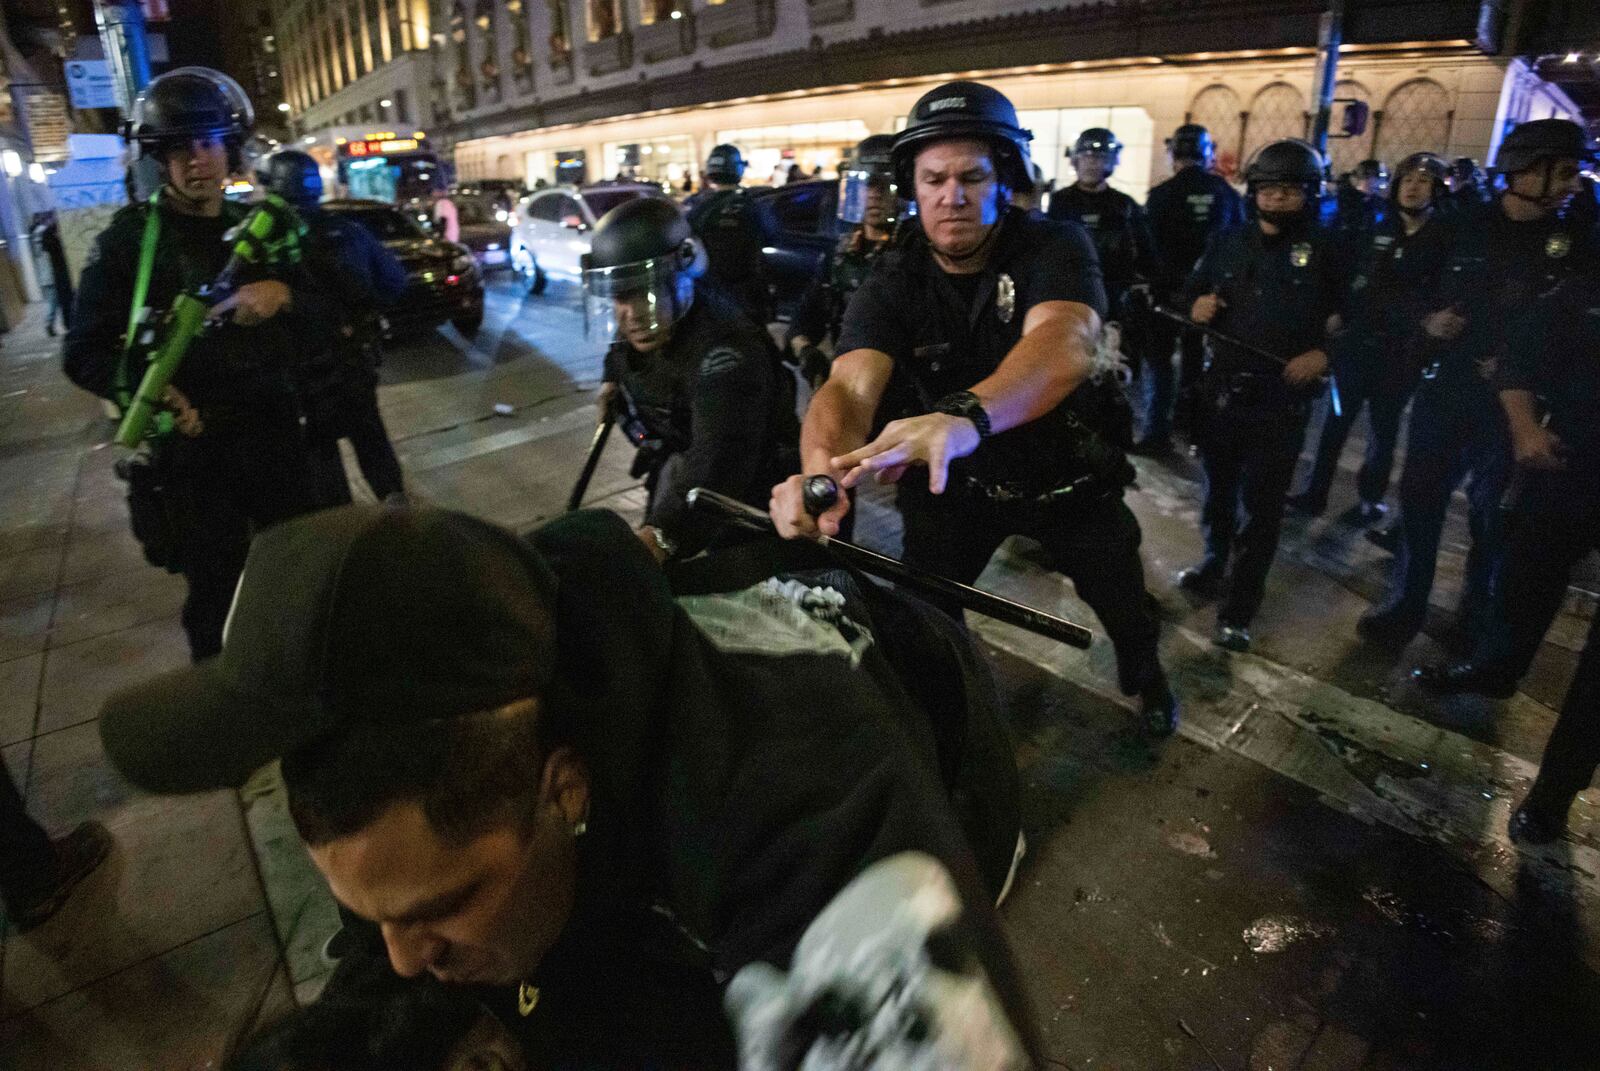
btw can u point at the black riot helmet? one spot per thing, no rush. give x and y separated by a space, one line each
1098 139
1374 171
965 110
1191 141
872 167
1529 144
725 166
643 256
1287 161
186 104
1431 163
293 176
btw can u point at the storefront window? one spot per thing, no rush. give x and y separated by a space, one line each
665 161
798 150
1055 130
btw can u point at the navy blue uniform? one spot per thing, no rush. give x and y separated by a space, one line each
1376 358
1121 236
1458 430
1185 212
731 225
1054 480
1279 292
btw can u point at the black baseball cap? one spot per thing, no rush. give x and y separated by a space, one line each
357 616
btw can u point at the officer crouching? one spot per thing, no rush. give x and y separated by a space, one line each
229 459
1271 285
992 317
697 387
339 387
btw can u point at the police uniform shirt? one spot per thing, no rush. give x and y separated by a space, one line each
1396 276
948 332
1278 290
1118 227
1553 351
1184 212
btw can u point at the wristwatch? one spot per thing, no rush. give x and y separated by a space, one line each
963 403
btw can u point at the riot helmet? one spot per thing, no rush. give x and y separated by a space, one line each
958 110
1371 171
1095 155
1191 141
639 273
1285 162
189 104
293 176
1465 175
725 166
1433 166
1532 143
871 169
1097 139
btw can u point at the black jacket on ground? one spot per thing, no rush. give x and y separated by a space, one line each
734 794
719 407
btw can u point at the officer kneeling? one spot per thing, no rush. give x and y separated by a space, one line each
542 778
697 386
992 318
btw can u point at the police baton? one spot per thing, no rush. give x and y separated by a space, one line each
597 446
821 493
1255 351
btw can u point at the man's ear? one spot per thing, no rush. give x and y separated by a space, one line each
565 785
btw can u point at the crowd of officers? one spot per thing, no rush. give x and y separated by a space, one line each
960 344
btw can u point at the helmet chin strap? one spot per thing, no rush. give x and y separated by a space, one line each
1543 199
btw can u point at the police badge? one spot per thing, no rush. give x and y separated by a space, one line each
1558 245
1005 298
1300 254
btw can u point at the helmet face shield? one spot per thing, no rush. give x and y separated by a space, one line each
636 303
867 195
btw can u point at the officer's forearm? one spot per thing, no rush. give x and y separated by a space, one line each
1522 411
1048 363
837 422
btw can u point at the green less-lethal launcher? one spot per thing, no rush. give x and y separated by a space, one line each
270 234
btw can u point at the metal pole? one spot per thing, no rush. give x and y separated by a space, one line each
1330 34
121 24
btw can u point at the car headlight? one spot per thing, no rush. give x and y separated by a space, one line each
462 263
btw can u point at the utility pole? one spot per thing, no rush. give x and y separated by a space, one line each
1330 35
121 25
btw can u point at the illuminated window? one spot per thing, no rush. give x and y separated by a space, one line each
560 32
654 11
604 19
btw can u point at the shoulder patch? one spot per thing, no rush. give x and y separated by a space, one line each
721 360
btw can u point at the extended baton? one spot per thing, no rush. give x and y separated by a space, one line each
1255 351
869 561
597 446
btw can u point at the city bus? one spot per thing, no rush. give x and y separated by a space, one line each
396 167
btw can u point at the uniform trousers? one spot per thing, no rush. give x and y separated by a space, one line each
1094 543
360 421
1163 381
27 859
1382 381
1247 455
1457 433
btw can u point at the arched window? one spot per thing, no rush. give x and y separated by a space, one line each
1415 118
1217 108
1278 111
1345 153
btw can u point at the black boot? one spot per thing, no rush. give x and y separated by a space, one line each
1204 579
1159 708
1537 821
1458 677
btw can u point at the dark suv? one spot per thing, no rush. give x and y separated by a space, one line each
443 282
803 222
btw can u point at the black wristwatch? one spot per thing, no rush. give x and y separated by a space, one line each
963 403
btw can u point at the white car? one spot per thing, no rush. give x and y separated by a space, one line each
554 227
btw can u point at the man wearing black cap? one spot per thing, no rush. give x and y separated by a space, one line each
339 388
1505 256
612 814
1185 212
992 319
697 386
730 225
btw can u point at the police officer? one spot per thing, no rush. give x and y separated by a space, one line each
234 460
992 317
1271 284
698 387
1504 256
1375 359
730 226
1114 221
868 202
1469 186
1361 201
339 388
1550 391
1185 212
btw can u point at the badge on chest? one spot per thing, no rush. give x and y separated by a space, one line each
1300 254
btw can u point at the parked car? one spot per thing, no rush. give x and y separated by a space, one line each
802 219
443 281
485 226
553 225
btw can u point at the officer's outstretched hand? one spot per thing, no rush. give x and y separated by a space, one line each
253 303
789 516
933 439
1444 324
1538 447
1206 307
1304 369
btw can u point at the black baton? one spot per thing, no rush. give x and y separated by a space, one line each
869 561
597 446
1334 398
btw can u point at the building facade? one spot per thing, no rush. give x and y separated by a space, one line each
355 62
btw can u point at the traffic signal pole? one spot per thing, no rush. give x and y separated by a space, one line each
1329 36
